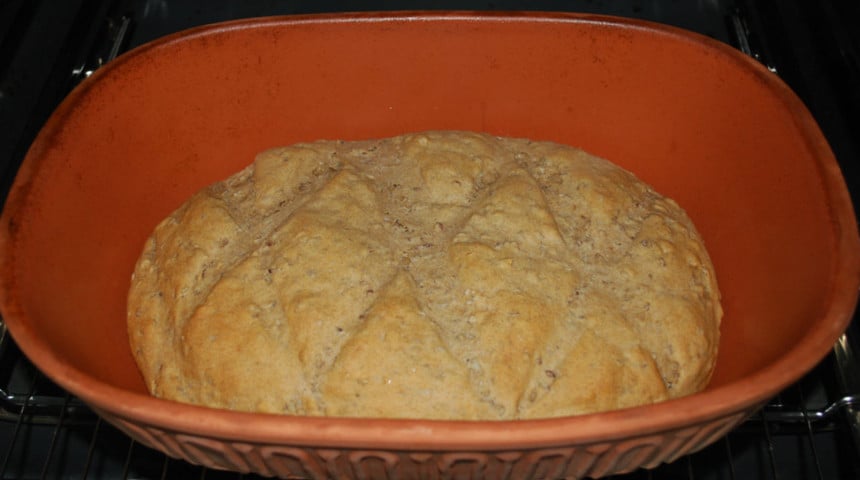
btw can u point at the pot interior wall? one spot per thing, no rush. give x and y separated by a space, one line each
701 126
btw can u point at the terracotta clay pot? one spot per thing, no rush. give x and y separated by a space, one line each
701 122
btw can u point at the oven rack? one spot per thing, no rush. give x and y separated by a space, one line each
809 431
46 433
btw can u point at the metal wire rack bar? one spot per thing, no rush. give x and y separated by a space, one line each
45 409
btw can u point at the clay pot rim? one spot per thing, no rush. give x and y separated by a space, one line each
730 399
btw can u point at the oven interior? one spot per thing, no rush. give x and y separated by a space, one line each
809 431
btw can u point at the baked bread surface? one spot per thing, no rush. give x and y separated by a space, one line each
438 275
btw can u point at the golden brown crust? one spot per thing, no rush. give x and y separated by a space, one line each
444 275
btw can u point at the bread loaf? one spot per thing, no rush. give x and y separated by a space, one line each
439 275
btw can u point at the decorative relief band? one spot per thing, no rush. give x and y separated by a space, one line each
292 462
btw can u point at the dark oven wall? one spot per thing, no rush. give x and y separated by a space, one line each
47 47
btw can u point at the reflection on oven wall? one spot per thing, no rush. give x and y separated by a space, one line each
47 47
155 8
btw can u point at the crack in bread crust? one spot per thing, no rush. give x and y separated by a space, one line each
450 275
